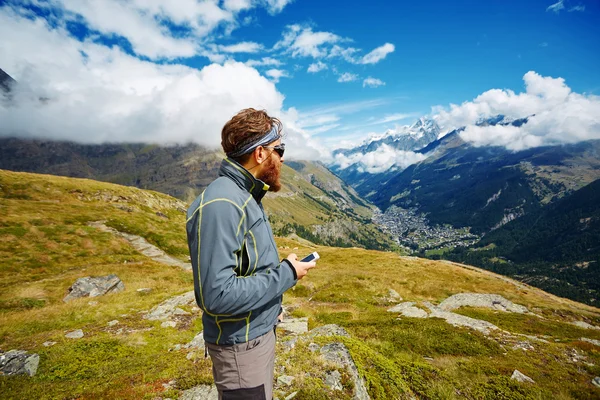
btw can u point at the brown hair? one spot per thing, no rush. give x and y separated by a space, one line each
245 127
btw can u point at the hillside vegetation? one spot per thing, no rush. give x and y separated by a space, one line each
46 243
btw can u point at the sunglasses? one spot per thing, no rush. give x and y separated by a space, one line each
279 149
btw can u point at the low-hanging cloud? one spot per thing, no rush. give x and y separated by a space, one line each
383 159
87 92
556 115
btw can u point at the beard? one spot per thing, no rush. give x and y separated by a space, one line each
271 174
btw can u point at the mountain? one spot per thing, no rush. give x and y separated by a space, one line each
556 247
6 81
51 237
315 204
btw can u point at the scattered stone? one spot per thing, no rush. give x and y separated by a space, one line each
520 377
294 326
167 308
493 301
48 344
77 334
291 396
168 324
339 355
596 381
461 320
203 392
392 297
426 358
285 380
169 385
328 330
289 345
144 290
408 309
524 345
94 287
179 311
197 343
314 347
18 362
592 341
585 325
333 380
113 322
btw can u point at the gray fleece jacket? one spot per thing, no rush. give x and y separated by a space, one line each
238 278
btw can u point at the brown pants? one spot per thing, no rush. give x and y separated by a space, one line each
244 370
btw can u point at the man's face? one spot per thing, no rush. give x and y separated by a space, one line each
272 169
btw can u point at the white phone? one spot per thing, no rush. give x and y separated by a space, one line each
311 257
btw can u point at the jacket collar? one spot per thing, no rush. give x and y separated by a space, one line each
244 179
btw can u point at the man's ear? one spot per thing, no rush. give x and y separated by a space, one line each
260 155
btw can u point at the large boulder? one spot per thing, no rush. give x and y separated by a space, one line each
18 362
493 301
170 307
94 287
338 354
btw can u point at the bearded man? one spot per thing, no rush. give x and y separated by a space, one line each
238 279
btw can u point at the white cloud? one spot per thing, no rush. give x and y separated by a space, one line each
99 94
276 6
345 53
321 129
380 160
373 82
378 54
579 8
392 118
556 7
237 5
277 74
242 47
556 115
544 44
316 67
303 42
265 61
318 120
347 77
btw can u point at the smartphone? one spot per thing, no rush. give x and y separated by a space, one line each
311 257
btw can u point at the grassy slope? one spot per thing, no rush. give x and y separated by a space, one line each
46 245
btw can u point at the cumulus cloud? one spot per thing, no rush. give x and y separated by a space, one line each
347 77
277 74
380 160
95 94
276 6
378 54
265 61
303 42
556 115
373 82
556 7
316 67
242 47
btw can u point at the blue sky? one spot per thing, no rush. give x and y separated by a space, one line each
399 59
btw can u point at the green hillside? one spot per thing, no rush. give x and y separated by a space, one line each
47 242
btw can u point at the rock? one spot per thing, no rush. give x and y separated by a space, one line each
592 341
333 380
339 355
93 303
167 308
585 325
493 301
168 324
77 334
328 330
291 396
294 326
596 381
18 362
392 297
201 392
113 322
408 309
144 290
94 287
461 320
179 311
289 345
48 344
523 345
520 377
197 343
314 347
285 380
169 385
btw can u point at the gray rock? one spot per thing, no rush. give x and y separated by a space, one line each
596 381
328 330
113 322
585 325
314 347
48 344
408 309
94 287
18 362
285 380
339 355
197 343
289 345
169 324
144 290
333 380
294 326
592 341
520 377
168 308
291 396
76 334
493 301
392 297
201 392
461 320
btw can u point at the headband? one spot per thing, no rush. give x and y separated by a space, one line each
271 136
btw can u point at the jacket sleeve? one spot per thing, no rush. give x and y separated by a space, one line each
221 234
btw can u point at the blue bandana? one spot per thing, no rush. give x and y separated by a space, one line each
270 137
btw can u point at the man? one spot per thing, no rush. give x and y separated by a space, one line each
238 278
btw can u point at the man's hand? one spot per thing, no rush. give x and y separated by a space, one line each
300 267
